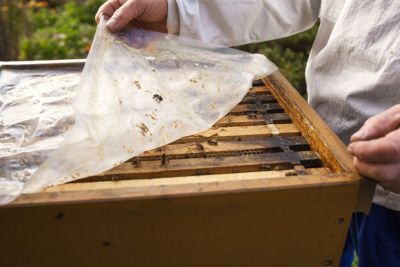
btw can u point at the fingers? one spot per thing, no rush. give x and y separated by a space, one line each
379 125
119 12
151 15
376 149
387 175
381 150
108 8
126 13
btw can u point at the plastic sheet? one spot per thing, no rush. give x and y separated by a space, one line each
139 90
35 113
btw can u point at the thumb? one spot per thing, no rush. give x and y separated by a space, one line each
379 125
124 15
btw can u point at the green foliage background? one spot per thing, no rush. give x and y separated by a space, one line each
60 32
289 54
61 29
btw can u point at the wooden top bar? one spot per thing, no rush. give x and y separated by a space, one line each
270 141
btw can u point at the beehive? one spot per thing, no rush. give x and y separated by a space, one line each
268 185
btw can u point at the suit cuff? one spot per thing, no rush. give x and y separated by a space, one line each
173 17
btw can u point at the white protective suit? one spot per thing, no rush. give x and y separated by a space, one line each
353 71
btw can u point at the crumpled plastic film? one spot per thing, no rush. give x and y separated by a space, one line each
35 113
140 90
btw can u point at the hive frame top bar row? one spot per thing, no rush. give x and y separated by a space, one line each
322 140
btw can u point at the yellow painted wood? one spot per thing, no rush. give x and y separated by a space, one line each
295 227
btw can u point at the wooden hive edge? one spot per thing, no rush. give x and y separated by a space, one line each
322 139
42 64
179 187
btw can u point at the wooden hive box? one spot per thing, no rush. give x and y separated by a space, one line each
269 185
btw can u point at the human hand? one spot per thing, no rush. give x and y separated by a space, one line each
147 14
376 149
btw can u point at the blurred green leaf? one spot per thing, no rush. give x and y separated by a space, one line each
289 54
64 31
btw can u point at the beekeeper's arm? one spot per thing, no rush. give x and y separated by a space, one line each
228 22
236 22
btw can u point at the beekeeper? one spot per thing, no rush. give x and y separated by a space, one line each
353 81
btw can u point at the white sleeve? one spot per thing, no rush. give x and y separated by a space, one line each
236 22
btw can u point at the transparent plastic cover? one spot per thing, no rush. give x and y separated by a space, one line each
139 90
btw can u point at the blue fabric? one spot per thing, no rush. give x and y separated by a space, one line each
348 253
375 238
